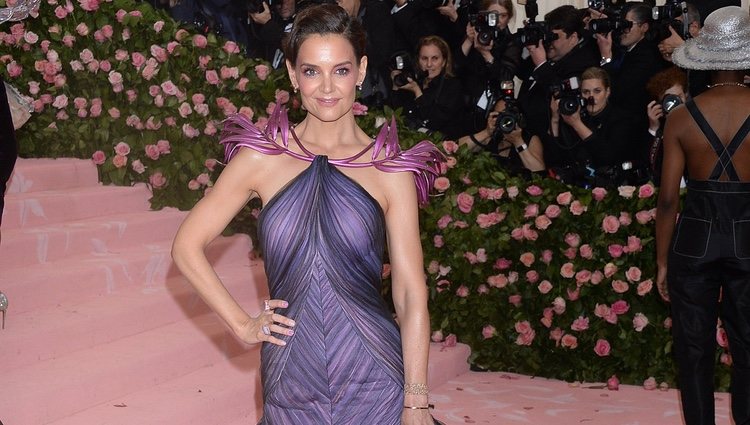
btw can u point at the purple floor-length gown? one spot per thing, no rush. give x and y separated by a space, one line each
323 239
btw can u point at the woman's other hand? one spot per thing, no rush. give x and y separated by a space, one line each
263 327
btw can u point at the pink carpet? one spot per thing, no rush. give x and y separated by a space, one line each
102 329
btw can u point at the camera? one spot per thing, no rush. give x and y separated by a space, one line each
403 63
606 5
511 116
606 25
666 16
571 100
669 102
485 24
533 33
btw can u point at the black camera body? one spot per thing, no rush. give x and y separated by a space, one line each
403 63
485 24
533 33
569 93
606 25
511 117
666 16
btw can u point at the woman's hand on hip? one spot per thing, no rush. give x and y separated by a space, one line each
263 327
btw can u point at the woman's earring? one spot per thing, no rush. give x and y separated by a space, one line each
295 89
359 86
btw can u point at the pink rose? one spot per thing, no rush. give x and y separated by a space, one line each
577 208
526 338
534 190
442 184
545 286
610 224
542 222
547 256
450 341
523 327
152 151
615 250
436 336
620 286
159 53
725 359
601 310
444 221
96 110
138 166
570 253
193 185
61 101
515 300
598 193
185 109
262 71
462 291
552 211
200 41
169 88
437 240
569 341
625 219
567 270
212 77
157 180
646 191
532 276
564 198
668 323
649 384
164 147
105 65
30 37
513 277
190 131
556 335
531 210
60 12
357 108
529 233
210 164
450 146
643 217
497 281
98 157
613 384
573 239
119 161
586 251
602 349
633 274
488 331
580 324
559 305
620 307
573 294
640 321
114 112
115 77
645 287
465 202
502 264
231 47
108 31
634 244
82 29
512 192
158 26
626 191
583 277
609 270
527 259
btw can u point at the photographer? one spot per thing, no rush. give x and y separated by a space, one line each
594 137
668 88
488 54
431 96
560 54
517 151
269 21
633 62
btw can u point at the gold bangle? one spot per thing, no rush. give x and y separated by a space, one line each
417 407
416 389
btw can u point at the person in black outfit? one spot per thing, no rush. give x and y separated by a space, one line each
566 56
375 16
267 28
8 146
703 258
434 101
671 81
484 61
593 142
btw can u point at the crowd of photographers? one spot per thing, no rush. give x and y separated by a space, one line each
595 83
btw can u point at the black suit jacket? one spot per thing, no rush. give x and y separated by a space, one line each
8 147
629 73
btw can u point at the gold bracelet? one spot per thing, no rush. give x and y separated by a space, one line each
417 407
416 389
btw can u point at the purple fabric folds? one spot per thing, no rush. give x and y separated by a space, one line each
422 159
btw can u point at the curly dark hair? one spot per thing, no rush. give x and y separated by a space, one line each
663 80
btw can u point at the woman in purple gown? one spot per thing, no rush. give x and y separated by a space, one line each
334 201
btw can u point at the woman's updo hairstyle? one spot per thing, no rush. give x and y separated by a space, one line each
324 19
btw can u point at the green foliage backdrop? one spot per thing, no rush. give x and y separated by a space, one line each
537 277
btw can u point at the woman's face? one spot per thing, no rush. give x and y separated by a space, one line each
503 17
594 89
431 60
327 74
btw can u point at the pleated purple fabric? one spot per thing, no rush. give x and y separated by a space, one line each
323 239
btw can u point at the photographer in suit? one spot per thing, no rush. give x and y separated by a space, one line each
488 55
432 98
594 137
565 55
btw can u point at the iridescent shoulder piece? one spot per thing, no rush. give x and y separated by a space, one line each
239 131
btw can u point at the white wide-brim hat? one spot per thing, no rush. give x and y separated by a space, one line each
723 43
